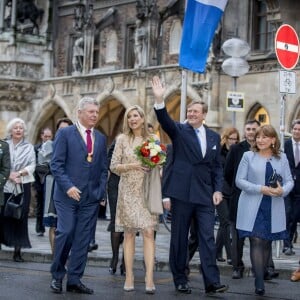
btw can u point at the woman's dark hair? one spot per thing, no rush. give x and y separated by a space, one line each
63 120
269 131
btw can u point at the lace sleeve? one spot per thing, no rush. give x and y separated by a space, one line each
117 166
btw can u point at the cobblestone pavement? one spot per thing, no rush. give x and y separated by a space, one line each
40 251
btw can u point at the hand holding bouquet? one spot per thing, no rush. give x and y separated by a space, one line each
151 153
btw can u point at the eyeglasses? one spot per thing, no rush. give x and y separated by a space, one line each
232 139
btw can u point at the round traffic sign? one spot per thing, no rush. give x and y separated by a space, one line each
287 46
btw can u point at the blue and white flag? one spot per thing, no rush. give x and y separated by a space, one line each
200 23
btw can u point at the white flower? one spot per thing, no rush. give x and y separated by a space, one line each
153 152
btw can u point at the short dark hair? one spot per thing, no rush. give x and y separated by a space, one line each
63 120
295 122
252 122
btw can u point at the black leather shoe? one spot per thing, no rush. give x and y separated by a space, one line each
93 247
273 273
270 274
289 252
216 288
56 286
18 258
259 292
237 274
79 288
183 288
221 259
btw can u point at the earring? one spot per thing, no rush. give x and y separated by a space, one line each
272 145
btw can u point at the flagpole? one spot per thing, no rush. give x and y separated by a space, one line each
183 95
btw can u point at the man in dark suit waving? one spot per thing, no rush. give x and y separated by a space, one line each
194 186
79 167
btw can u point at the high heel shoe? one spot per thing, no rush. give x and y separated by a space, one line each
150 290
122 270
259 292
111 271
113 266
130 287
17 257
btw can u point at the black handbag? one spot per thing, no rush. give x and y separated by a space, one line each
14 206
274 178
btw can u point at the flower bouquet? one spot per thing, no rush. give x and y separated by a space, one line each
151 153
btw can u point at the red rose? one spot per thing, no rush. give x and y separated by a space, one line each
155 159
145 152
163 147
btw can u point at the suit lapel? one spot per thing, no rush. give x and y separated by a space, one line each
290 152
96 144
193 140
79 138
210 142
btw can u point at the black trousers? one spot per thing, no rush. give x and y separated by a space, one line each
237 246
39 188
223 234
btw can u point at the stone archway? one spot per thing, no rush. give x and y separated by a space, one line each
46 116
111 118
259 113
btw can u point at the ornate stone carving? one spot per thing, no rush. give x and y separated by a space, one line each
5 69
16 96
27 71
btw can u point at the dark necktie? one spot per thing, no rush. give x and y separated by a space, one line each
89 141
297 154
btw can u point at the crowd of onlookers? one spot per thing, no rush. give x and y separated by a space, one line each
249 183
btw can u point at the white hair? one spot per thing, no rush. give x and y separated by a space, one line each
87 100
12 123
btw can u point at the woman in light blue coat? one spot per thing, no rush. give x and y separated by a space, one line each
261 210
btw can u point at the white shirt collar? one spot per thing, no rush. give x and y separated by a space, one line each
82 128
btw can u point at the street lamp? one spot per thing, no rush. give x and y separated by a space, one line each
236 65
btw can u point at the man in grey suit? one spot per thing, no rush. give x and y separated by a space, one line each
79 167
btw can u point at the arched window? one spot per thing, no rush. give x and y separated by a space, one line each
259 113
111 47
175 37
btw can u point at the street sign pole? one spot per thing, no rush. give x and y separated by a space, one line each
282 119
234 79
287 52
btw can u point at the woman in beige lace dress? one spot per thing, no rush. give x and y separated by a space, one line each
132 214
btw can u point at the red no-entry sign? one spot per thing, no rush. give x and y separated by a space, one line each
287 46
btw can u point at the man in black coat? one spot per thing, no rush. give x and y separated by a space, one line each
292 150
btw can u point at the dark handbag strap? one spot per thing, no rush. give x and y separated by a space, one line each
15 190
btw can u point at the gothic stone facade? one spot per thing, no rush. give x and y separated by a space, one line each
42 77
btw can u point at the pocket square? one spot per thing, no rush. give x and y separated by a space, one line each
214 147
